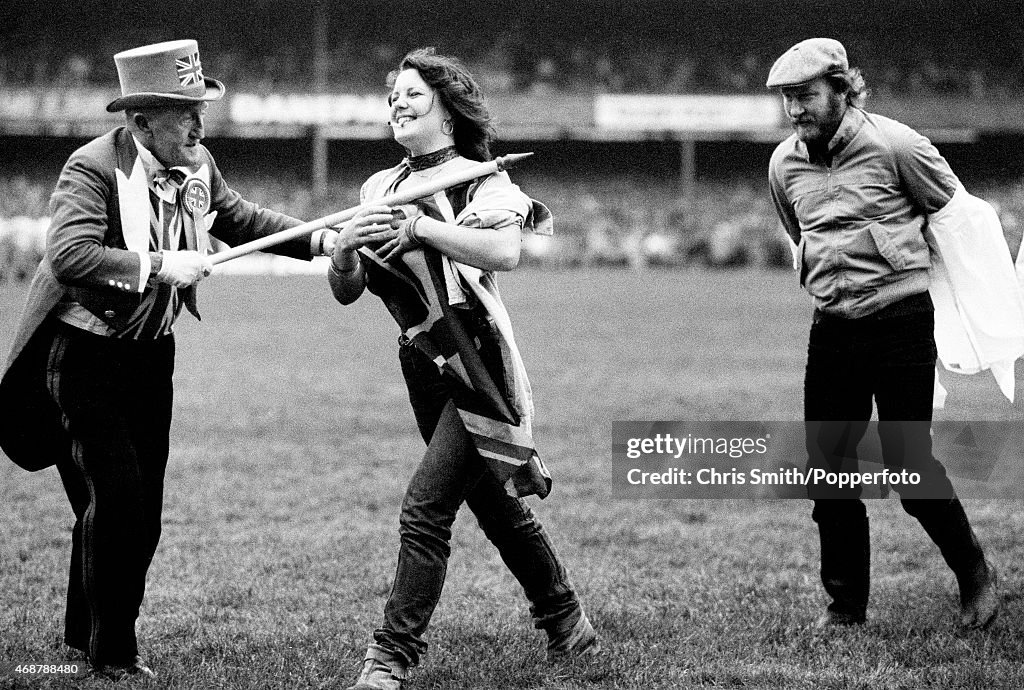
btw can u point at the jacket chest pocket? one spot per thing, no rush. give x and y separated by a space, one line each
902 246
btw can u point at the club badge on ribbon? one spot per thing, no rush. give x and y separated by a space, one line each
196 198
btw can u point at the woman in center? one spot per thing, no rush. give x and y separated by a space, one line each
433 265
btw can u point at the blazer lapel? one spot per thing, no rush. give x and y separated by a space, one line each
133 197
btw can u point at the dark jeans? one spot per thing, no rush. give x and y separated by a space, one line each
452 473
116 399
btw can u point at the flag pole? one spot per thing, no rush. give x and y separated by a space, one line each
403 196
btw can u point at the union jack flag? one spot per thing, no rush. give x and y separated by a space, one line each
473 358
190 71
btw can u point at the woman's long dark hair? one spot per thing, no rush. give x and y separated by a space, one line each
461 96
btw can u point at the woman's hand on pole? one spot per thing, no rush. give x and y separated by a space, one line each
370 224
405 220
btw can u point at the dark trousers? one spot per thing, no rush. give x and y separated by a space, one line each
888 358
116 398
450 474
885 359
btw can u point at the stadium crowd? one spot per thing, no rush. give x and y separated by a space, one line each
940 47
510 67
611 222
650 46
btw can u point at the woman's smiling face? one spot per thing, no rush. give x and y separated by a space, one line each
417 115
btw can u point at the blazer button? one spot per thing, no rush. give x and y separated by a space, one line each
109 313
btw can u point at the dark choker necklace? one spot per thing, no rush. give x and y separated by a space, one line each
429 160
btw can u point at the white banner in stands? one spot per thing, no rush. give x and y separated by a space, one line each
309 109
34 104
687 113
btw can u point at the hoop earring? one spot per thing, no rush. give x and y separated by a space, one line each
451 127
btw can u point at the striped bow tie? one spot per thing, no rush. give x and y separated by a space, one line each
173 176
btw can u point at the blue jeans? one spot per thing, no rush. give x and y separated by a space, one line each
450 474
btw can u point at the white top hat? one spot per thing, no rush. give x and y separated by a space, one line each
161 73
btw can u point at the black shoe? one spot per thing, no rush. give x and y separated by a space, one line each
979 598
116 672
835 619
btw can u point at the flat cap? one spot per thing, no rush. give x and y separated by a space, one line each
807 60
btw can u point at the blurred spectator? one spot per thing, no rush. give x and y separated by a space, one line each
545 76
76 71
22 242
601 243
607 77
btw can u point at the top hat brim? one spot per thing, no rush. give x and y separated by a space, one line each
214 92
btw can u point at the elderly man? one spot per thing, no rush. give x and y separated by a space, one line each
88 383
853 190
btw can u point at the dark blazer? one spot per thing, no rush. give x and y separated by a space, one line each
99 228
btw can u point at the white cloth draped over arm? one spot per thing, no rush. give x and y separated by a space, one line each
977 291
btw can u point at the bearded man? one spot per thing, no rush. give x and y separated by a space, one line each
854 190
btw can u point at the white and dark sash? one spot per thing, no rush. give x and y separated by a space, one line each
137 221
424 291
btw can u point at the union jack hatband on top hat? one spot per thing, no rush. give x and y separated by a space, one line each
162 73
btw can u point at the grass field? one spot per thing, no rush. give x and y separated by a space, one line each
293 441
